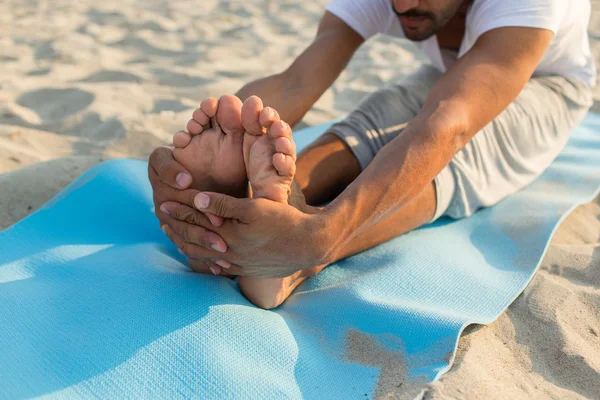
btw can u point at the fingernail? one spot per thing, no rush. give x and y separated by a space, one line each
183 179
181 251
201 201
218 247
164 228
163 209
213 270
223 263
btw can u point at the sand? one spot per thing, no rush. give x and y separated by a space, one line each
87 81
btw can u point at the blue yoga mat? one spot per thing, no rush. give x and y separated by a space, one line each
95 301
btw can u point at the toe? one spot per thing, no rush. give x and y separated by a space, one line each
268 116
285 146
250 113
284 164
280 129
181 139
194 127
229 115
209 107
281 134
200 117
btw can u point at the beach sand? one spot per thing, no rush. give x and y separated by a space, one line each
87 81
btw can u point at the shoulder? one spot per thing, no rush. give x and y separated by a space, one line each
366 17
485 15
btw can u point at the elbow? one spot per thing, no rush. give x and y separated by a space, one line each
451 125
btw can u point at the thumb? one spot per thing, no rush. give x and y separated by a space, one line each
221 205
167 169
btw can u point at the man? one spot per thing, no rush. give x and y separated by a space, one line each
508 81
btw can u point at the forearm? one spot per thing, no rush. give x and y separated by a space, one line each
293 92
399 172
472 93
280 92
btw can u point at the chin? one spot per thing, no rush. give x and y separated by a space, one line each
418 35
415 37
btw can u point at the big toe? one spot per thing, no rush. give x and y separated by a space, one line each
250 116
229 115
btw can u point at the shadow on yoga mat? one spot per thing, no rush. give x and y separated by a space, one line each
95 301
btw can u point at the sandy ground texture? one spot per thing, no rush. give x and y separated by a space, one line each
85 81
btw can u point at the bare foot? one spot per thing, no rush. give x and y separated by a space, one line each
269 151
212 152
270 158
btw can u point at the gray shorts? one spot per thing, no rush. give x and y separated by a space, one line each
506 155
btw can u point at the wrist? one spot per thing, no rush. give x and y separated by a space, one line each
327 235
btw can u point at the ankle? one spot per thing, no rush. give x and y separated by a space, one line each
297 200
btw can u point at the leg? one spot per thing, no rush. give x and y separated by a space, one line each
524 140
270 293
325 168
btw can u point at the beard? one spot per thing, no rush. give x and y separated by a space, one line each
419 25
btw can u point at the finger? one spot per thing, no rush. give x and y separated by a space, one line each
200 266
192 226
203 267
190 250
223 205
168 170
215 269
235 270
162 191
215 220
223 263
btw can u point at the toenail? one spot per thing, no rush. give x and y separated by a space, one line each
183 180
201 201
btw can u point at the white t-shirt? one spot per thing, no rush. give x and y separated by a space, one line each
569 53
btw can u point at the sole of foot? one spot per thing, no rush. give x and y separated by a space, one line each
212 148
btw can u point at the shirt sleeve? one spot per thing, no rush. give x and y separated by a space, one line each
365 17
491 14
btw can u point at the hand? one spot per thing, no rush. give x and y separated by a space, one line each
269 239
170 181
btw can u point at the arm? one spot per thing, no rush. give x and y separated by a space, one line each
293 92
470 95
477 88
